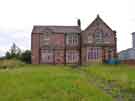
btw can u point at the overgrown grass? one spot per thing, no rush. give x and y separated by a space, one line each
116 80
10 63
63 83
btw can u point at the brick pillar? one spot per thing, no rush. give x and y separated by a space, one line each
103 55
35 48
115 50
65 48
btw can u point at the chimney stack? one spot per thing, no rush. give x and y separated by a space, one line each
133 39
79 22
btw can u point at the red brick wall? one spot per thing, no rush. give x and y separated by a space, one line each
56 44
58 40
35 48
59 56
130 62
55 40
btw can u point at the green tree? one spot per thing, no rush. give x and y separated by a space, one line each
14 52
8 56
26 56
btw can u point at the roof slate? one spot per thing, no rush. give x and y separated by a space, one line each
56 29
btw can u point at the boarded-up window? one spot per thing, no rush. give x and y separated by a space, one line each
72 56
46 56
45 39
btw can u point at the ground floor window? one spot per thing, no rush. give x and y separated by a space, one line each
46 56
72 56
93 53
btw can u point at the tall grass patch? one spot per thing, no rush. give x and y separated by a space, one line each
10 63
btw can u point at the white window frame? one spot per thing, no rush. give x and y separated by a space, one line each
72 39
72 56
99 36
47 56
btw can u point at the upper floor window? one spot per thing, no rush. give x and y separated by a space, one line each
44 39
90 38
98 36
72 39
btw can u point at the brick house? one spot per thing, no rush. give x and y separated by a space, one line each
71 45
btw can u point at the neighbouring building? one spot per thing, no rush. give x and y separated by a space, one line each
71 45
129 54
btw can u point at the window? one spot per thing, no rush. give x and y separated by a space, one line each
72 39
72 56
46 56
98 36
45 38
89 38
93 53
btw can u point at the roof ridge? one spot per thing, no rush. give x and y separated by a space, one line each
55 26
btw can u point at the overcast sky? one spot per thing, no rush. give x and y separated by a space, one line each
17 18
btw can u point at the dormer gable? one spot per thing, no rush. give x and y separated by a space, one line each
98 29
98 22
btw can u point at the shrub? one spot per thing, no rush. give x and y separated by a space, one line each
26 56
10 63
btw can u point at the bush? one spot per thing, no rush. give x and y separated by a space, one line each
26 56
10 63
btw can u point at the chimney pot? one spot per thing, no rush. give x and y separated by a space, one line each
79 22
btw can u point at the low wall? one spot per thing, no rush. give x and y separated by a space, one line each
131 62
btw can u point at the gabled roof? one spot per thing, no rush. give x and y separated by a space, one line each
98 20
56 29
